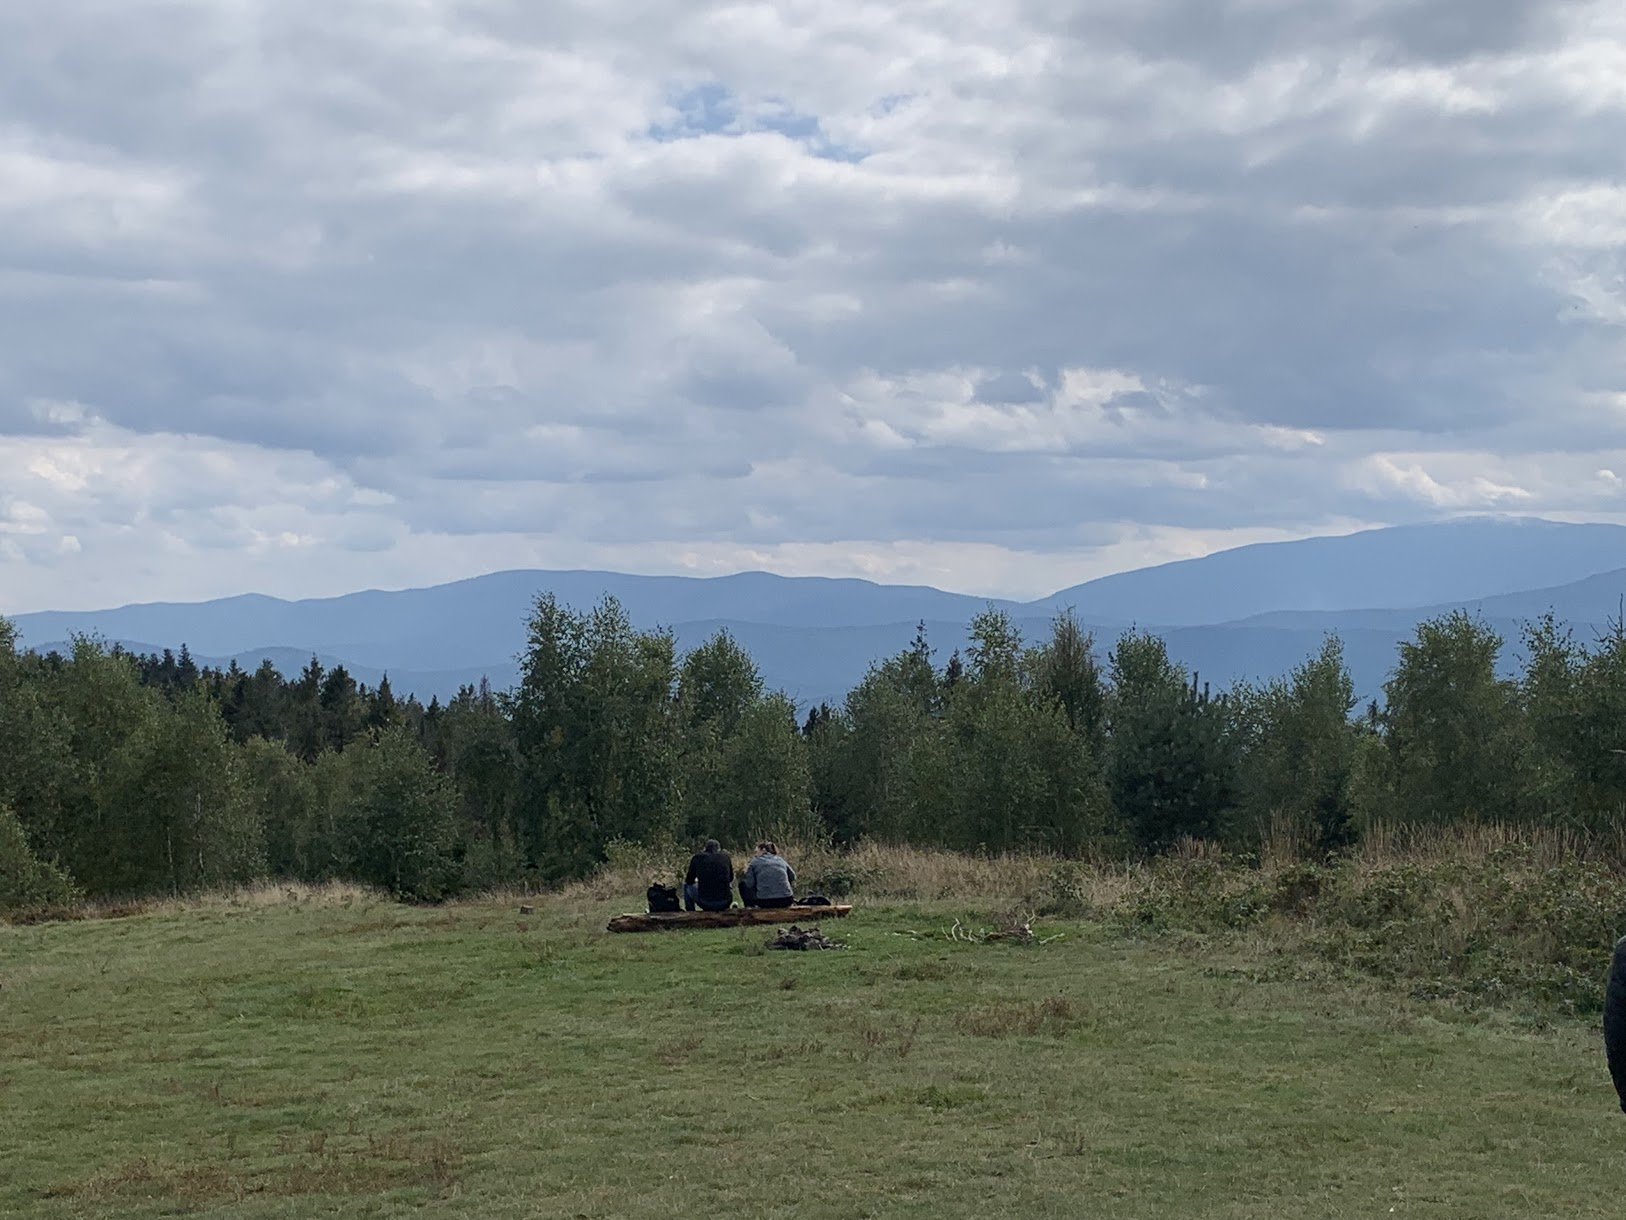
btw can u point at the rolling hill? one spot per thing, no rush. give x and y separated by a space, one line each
1587 605
1447 563
1250 612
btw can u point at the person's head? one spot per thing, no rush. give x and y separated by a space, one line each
767 848
713 845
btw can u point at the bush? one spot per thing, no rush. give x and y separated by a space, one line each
641 861
1299 887
1201 894
836 881
1066 892
383 815
28 883
403 819
1488 927
1493 928
1544 934
486 863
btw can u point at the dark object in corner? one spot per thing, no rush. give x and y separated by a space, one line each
1614 1020
662 898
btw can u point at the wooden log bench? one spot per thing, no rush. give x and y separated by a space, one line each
734 917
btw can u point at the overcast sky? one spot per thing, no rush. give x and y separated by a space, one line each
303 296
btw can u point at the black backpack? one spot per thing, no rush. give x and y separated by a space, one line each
662 898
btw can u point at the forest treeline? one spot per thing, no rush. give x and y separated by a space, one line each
123 774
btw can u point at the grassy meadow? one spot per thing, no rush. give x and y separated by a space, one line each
322 1052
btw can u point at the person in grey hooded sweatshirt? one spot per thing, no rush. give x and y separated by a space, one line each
769 880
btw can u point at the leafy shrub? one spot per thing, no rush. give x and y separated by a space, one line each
637 860
1300 887
1495 927
382 814
836 881
1066 892
485 863
1197 894
1494 930
28 883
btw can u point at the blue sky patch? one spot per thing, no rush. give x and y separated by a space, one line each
706 109
712 108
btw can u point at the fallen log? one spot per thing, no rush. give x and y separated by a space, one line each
734 917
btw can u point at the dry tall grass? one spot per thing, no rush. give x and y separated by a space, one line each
1481 843
891 872
1483 913
258 895
904 873
874 871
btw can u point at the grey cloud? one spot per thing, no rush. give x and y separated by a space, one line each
1228 36
1135 400
369 536
1009 387
433 248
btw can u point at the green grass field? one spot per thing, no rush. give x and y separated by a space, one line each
324 1057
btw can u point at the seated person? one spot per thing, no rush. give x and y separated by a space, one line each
709 883
769 881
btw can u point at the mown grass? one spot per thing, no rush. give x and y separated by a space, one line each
324 1052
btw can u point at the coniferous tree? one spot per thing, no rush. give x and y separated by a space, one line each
479 755
1171 761
831 777
996 782
341 709
303 723
1299 753
265 707
1451 726
1550 691
37 766
280 791
1066 669
129 773
382 709
186 670
888 724
1599 753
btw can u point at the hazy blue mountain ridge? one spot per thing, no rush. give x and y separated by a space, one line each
1585 604
1252 612
469 622
1403 566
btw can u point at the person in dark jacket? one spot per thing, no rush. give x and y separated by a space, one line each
1614 1021
709 883
769 880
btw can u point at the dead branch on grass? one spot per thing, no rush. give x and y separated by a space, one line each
1013 926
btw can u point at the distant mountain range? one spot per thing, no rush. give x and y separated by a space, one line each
1251 612
1448 563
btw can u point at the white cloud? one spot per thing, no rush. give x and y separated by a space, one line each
1591 217
1565 484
